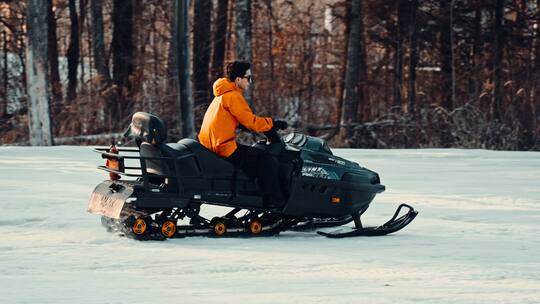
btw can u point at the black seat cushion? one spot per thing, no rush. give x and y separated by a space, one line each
174 150
210 163
183 164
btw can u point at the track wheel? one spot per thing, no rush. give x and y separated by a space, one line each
168 228
220 228
255 226
139 226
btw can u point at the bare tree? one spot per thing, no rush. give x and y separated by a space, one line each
244 49
497 65
181 35
353 96
37 73
220 37
536 92
340 87
398 56
413 57
73 52
201 51
56 86
474 83
271 69
82 22
98 42
122 48
141 38
446 53
122 42
3 106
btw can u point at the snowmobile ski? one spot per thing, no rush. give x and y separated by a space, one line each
393 225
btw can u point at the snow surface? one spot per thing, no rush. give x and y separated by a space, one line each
476 239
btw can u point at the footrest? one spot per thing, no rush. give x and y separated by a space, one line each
316 223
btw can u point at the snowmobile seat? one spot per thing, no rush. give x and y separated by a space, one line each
204 170
211 165
187 166
216 172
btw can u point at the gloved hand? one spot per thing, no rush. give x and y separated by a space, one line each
243 128
280 124
272 136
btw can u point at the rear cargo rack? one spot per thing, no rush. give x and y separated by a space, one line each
143 173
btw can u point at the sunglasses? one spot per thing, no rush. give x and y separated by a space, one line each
249 78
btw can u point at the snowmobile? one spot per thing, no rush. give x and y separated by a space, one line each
156 185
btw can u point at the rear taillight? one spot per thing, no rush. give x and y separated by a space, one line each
116 164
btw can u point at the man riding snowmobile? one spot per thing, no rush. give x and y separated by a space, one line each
229 110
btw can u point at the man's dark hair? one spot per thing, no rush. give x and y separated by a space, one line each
237 69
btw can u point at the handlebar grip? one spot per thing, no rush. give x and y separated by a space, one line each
272 136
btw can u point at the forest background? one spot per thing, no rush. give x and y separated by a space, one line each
369 74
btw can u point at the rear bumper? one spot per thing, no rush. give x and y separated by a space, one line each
108 199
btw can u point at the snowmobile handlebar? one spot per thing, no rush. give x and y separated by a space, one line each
272 135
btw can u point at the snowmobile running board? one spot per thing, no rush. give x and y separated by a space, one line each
393 225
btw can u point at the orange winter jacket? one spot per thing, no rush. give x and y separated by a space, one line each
227 110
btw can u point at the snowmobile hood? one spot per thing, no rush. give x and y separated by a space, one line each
224 85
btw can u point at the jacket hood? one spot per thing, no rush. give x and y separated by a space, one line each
223 85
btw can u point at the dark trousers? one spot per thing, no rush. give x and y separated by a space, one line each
258 164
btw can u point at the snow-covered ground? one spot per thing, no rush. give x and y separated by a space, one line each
476 239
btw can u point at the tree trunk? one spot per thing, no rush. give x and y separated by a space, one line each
446 54
229 47
171 54
82 18
122 45
21 52
185 100
305 107
398 60
220 37
353 95
122 42
364 111
413 57
73 52
98 42
37 73
498 62
340 86
452 51
271 73
56 86
89 54
141 31
474 88
3 107
536 92
201 55
244 50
